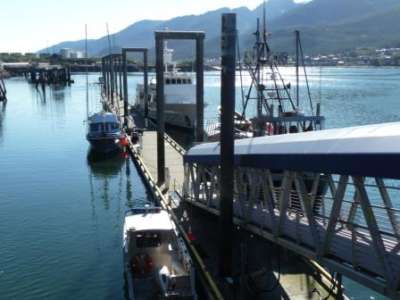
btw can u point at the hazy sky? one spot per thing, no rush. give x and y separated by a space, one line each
29 25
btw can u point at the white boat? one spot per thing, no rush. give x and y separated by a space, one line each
180 96
104 132
156 261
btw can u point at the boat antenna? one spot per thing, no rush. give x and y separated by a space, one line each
109 39
87 71
265 33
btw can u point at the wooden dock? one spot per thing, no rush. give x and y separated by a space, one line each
173 159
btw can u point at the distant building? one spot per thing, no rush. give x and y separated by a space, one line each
77 54
66 53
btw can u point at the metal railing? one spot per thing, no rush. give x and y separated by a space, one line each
347 223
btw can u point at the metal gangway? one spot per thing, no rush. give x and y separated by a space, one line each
332 196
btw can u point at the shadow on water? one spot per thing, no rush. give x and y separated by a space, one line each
104 165
104 168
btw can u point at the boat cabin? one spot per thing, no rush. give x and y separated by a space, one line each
153 250
104 122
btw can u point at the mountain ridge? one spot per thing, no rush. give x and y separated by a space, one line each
326 26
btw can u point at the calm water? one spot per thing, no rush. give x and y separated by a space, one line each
61 210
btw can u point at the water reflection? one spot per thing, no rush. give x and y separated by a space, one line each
57 92
104 168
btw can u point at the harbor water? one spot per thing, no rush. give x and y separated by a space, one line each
62 208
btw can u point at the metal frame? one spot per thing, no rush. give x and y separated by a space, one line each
144 51
285 208
160 37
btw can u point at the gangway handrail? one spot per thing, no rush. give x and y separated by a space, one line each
331 196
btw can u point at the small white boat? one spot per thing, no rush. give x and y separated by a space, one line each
156 261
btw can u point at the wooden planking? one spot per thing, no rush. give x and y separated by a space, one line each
173 159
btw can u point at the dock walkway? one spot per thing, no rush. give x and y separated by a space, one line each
173 159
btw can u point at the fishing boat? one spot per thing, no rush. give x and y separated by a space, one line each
180 96
156 261
104 132
278 109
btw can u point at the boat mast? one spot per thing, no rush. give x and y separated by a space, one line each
87 72
297 33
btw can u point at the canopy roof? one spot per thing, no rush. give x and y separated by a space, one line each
372 150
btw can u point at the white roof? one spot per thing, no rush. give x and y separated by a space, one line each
149 221
370 151
378 138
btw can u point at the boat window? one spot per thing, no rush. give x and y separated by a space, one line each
178 81
173 81
167 81
94 127
112 126
148 240
189 81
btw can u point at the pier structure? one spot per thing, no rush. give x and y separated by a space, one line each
3 91
170 192
321 204
112 89
329 196
45 74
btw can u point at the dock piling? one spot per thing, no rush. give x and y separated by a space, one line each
228 67
160 109
200 88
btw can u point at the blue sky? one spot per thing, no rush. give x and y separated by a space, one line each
29 25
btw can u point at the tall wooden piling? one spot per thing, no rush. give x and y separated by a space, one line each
120 76
200 88
125 84
228 64
160 109
146 83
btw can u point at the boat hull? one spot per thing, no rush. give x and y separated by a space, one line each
104 145
177 115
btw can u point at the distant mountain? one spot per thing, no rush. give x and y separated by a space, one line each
332 12
326 26
141 34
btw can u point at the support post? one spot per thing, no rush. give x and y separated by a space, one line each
120 77
146 84
112 76
297 33
160 110
199 89
103 71
125 73
228 64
